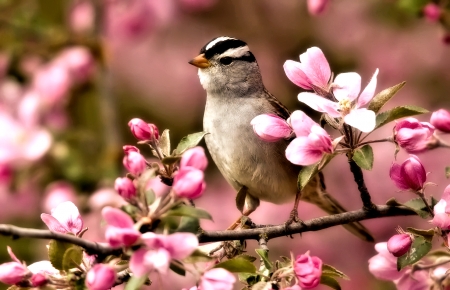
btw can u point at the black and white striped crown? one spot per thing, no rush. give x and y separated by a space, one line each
227 47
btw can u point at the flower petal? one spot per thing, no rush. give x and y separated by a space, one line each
53 224
294 72
320 104
362 119
181 245
316 67
347 85
137 265
117 218
301 123
301 152
368 92
68 216
270 127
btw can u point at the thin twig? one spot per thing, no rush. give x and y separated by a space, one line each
359 179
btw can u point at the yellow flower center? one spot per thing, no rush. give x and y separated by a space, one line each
345 105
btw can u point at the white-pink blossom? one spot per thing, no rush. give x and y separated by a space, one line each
65 218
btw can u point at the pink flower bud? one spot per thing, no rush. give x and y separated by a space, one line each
308 270
38 280
120 230
398 245
270 127
194 157
129 148
413 136
410 175
189 183
432 12
316 7
217 278
100 277
125 187
13 272
135 163
441 210
441 120
143 131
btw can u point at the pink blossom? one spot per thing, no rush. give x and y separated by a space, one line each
5 174
129 148
143 131
64 218
120 230
308 270
313 70
217 279
312 141
271 127
432 12
441 120
58 192
159 250
105 196
399 244
13 272
349 102
78 62
412 135
81 18
52 82
189 183
317 7
125 187
100 277
384 264
135 163
441 217
41 271
417 280
410 175
194 157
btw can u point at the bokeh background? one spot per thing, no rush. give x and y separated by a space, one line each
74 72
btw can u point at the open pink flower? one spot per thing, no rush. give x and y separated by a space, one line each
442 211
410 175
412 135
313 70
312 141
217 279
349 102
13 272
65 218
271 127
120 230
159 250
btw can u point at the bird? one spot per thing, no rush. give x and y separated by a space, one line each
256 169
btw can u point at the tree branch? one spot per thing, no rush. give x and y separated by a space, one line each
315 224
359 179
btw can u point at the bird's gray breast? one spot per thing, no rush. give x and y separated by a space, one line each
241 156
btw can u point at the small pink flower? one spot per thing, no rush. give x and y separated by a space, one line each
399 244
316 7
194 157
410 175
143 131
312 71
432 12
441 120
384 264
308 270
217 279
189 183
120 230
312 141
412 135
13 272
129 148
78 61
81 18
441 217
159 250
41 271
125 187
135 163
100 277
52 82
349 104
65 218
271 127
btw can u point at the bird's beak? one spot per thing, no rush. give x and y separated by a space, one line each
200 61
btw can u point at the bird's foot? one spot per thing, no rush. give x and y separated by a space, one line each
293 218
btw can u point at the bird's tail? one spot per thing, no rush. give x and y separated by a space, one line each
315 193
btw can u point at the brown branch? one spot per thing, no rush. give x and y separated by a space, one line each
359 179
315 224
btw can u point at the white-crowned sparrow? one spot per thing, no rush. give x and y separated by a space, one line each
257 169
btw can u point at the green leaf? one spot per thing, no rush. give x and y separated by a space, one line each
189 225
330 282
186 210
236 265
164 142
189 141
264 255
331 271
150 196
249 278
72 257
427 234
56 251
306 174
197 256
438 254
393 202
364 157
240 198
417 205
397 113
249 258
412 6
383 97
447 172
135 283
177 268
419 248
170 160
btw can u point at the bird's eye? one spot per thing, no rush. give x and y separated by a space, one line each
226 60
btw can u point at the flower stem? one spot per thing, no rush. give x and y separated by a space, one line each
375 141
359 179
422 196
